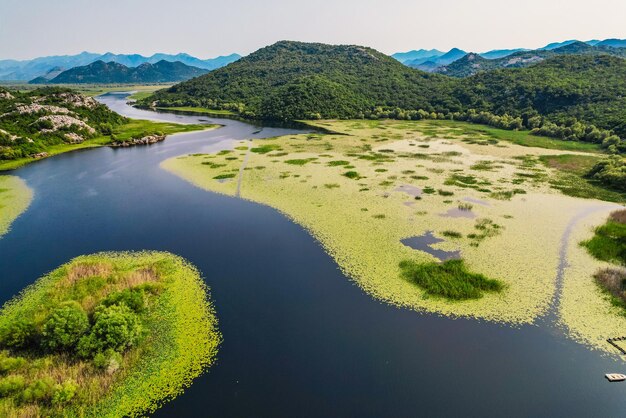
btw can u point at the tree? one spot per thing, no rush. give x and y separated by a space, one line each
64 327
116 327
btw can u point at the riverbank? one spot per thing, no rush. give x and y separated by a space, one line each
362 192
15 196
134 128
161 334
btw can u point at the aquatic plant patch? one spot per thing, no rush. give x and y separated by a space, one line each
15 196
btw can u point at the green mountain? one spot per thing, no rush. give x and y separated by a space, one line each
31 121
472 63
292 80
589 88
111 72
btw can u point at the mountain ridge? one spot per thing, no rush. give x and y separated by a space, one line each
100 72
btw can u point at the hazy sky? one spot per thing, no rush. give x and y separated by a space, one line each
207 28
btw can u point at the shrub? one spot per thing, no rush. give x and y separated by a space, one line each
8 363
133 298
64 392
64 327
19 334
108 360
40 390
115 327
610 172
11 384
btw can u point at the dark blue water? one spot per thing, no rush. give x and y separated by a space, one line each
300 340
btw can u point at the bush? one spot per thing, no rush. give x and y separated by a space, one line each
115 327
11 384
133 298
64 327
40 390
64 392
610 172
19 334
108 360
8 363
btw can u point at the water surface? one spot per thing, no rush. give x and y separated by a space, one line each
300 339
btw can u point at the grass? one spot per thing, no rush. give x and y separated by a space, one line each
523 138
450 279
609 241
133 128
571 170
15 196
179 343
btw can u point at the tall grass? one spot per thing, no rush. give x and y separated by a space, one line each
450 279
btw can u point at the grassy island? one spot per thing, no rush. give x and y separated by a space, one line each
389 200
15 196
105 335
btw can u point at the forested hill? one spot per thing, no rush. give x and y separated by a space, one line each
292 80
111 72
589 88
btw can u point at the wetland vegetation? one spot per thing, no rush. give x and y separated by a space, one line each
15 196
110 334
370 185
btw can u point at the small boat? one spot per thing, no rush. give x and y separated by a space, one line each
615 377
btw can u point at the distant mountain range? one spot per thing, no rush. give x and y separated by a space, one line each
458 63
432 60
101 72
474 63
40 67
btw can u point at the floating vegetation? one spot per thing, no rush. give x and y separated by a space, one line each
15 197
369 250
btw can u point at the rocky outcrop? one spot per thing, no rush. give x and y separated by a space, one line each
63 121
74 138
40 155
146 140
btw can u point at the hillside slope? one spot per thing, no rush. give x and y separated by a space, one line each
291 80
32 121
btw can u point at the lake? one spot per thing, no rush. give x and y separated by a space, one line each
300 339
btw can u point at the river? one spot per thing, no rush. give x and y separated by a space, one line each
300 339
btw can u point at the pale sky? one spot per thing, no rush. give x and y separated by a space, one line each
207 28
